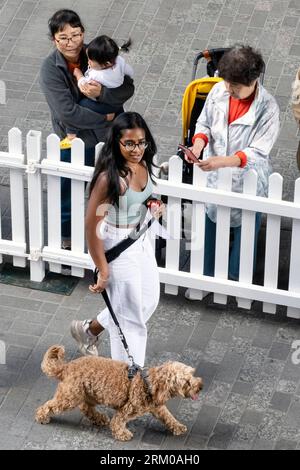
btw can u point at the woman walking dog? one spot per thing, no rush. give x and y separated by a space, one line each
120 186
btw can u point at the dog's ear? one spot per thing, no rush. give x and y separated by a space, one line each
162 395
160 381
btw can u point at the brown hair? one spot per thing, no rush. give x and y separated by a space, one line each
241 64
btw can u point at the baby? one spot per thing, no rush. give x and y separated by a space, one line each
105 67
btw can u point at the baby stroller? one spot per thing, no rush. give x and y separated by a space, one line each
194 99
192 104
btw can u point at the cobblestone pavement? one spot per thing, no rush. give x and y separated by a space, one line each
251 397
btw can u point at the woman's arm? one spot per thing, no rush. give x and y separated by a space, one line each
117 96
62 103
96 211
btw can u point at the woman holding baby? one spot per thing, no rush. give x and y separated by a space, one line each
63 96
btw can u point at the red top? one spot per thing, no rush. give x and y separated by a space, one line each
72 66
237 109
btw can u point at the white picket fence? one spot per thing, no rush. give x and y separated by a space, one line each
245 291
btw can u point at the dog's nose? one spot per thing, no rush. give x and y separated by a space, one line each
200 384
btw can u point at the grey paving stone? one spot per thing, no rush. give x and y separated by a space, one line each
233 409
218 393
19 352
242 388
280 351
15 339
178 339
206 421
208 372
27 328
221 436
229 368
270 427
16 302
13 402
281 401
25 10
11 442
265 335
215 351
196 442
252 417
283 444
263 444
201 335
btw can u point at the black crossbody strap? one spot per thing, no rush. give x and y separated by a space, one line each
115 251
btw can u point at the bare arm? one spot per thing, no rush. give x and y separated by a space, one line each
96 211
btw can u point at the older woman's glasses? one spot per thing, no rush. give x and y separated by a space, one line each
64 41
130 146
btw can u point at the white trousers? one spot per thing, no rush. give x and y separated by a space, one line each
133 290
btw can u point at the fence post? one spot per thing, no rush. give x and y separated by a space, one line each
77 204
198 232
272 241
174 223
35 206
53 201
294 279
222 233
17 195
247 239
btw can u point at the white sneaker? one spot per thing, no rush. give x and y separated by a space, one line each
189 296
87 344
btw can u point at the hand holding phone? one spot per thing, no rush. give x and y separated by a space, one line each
191 157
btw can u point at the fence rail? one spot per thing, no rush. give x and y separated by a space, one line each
244 290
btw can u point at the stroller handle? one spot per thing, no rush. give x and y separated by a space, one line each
215 55
207 54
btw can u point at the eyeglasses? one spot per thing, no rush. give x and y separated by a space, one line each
65 41
130 146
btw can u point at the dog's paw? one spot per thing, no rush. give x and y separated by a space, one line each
125 435
41 417
179 429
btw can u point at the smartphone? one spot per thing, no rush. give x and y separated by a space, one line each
188 153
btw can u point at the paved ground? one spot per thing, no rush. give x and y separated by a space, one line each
252 390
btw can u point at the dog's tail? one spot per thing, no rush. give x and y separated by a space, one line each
53 363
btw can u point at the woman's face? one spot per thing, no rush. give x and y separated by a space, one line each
69 42
133 144
239 91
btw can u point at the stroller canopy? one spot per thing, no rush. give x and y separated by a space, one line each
197 90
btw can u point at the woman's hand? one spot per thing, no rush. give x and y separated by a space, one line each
91 89
77 74
214 163
110 117
157 208
102 282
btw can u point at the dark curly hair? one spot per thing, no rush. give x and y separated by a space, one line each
241 64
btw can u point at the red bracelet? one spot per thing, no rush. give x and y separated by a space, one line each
200 136
243 157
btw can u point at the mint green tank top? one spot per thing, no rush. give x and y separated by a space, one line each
130 209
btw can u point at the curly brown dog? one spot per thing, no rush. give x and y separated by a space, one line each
90 381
